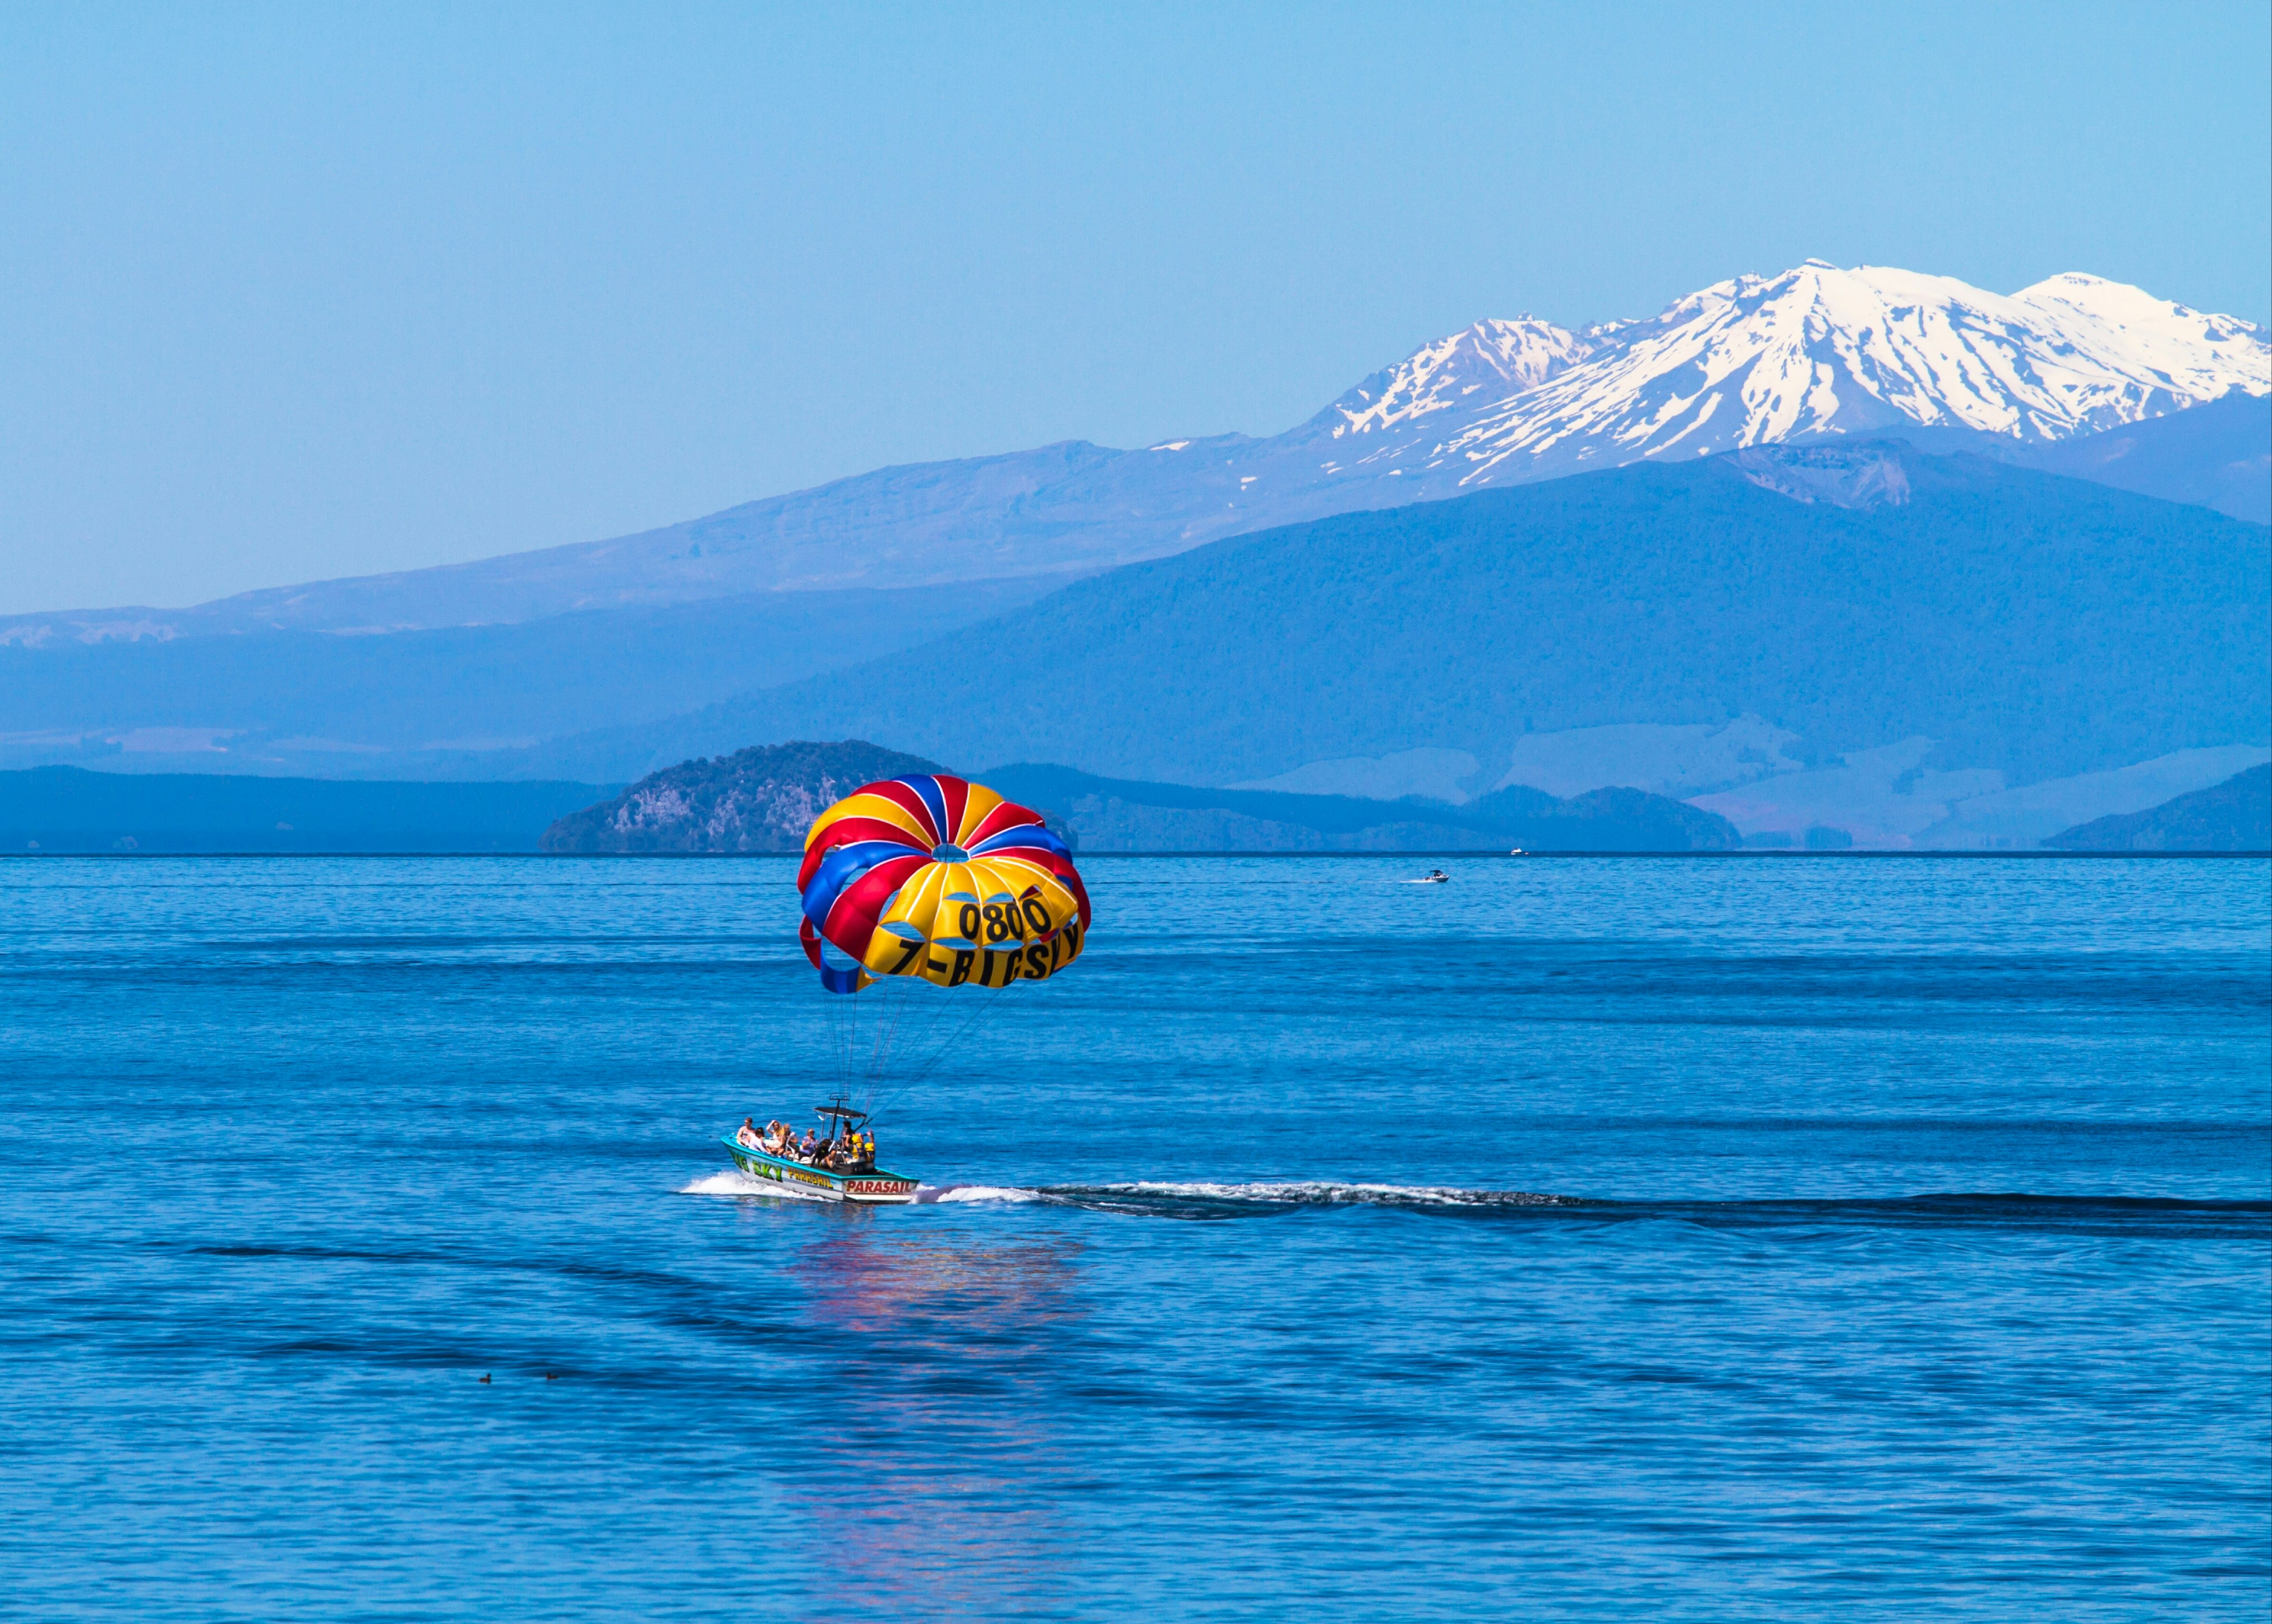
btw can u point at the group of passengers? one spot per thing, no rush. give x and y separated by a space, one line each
848 1151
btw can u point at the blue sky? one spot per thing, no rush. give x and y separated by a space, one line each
292 293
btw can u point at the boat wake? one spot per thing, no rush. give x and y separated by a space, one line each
1217 1201
1152 1198
1156 1199
2074 1215
733 1181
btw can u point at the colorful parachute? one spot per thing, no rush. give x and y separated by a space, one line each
938 877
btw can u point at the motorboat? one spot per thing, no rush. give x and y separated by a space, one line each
1435 877
816 1180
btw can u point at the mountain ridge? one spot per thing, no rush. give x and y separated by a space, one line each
1752 360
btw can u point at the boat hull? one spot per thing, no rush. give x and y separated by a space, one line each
875 1187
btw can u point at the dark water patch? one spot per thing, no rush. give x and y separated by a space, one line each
2091 1215
2103 1215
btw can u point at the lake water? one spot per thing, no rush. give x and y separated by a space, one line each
1710 1239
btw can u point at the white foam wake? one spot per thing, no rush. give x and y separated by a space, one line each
1321 1192
733 1181
1158 1195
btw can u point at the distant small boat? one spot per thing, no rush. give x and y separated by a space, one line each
865 1186
1518 852
1435 877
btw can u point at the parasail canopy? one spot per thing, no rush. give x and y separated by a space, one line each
936 877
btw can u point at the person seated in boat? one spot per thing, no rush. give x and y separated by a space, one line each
776 1139
746 1135
811 1148
867 1152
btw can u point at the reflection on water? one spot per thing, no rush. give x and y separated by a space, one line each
935 1423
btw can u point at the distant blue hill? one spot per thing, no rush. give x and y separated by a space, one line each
1854 594
1121 814
2235 815
2217 456
65 809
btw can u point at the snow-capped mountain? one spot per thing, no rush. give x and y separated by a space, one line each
1484 362
1816 351
1823 351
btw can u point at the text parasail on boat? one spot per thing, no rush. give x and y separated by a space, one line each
934 878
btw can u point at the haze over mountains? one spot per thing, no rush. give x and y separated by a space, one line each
577 659
1857 634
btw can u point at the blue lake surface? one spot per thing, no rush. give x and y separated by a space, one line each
1908 1251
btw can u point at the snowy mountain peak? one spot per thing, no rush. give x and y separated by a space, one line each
1485 362
2197 355
1821 350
